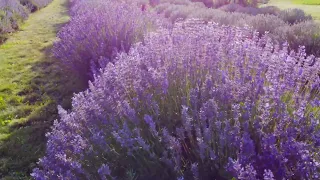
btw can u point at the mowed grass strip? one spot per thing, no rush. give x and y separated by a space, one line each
32 84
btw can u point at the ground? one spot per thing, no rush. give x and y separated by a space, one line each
32 84
313 10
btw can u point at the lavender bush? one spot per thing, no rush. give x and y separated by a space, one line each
293 16
98 31
198 101
219 3
306 33
250 10
176 2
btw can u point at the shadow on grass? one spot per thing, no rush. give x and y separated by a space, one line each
52 86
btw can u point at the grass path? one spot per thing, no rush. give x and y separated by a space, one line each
313 10
32 84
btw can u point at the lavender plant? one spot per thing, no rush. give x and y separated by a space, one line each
251 10
219 3
198 101
97 32
306 33
293 16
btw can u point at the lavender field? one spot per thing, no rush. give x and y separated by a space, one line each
159 89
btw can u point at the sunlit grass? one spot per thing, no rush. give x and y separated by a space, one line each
307 2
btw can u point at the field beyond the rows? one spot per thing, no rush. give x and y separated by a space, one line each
307 2
311 7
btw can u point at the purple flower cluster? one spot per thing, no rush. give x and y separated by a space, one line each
198 101
99 30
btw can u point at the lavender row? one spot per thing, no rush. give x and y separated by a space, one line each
292 26
198 101
99 30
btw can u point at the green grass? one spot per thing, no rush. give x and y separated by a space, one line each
307 2
32 84
313 10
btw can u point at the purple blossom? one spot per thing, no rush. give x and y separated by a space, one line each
268 175
195 171
150 122
248 173
104 171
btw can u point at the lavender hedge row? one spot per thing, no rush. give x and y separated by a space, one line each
268 19
99 30
291 16
199 101
219 3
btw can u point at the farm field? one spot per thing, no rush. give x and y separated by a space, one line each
159 89
313 10
307 2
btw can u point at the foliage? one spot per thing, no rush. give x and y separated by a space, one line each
199 101
293 16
